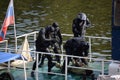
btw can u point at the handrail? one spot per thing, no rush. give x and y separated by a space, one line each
6 44
69 35
86 36
95 59
27 34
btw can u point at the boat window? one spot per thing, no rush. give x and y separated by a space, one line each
117 12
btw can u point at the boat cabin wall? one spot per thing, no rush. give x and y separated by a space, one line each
116 30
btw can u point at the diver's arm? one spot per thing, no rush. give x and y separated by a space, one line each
44 38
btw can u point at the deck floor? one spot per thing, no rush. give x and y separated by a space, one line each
19 74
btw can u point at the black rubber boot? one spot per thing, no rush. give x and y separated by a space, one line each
32 74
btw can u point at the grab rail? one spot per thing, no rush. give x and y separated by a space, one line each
6 44
94 59
69 35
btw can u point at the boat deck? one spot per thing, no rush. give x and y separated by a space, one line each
18 72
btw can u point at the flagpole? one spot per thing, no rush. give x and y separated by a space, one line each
15 30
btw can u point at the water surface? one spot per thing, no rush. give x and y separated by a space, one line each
30 15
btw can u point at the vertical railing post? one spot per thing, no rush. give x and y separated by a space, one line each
6 46
34 44
66 60
102 67
16 45
36 71
90 48
62 52
25 73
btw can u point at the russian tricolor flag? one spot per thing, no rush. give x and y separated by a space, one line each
9 20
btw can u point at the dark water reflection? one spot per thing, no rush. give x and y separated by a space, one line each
30 15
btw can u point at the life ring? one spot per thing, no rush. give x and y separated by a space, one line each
6 76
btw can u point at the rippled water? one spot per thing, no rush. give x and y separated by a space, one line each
30 15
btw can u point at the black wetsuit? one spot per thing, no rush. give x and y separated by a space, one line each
56 35
57 45
42 43
77 47
79 27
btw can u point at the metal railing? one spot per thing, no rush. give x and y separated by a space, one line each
6 45
63 55
90 38
67 66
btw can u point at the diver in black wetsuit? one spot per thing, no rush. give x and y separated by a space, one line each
42 43
57 35
57 45
79 25
76 46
